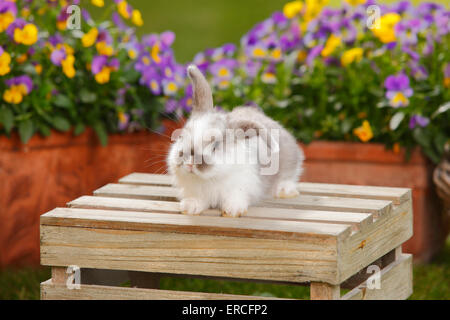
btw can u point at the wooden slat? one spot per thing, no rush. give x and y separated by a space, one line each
138 192
385 234
396 283
396 195
357 220
243 227
54 291
378 207
309 258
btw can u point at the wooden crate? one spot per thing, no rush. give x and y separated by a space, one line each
328 238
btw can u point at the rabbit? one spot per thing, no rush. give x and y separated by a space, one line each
203 158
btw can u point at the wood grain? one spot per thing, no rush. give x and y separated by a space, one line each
309 258
396 195
324 291
378 207
162 222
54 291
357 220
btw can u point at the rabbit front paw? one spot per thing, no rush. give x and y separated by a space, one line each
191 206
234 209
286 189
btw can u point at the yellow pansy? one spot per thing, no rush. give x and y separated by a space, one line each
385 29
122 8
155 53
27 36
136 18
293 8
364 133
351 55
67 66
355 2
5 20
98 3
15 94
103 76
61 25
89 38
103 48
38 68
5 60
332 43
313 8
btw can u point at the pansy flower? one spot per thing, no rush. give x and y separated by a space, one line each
385 31
90 37
418 120
8 12
22 32
18 87
364 132
102 66
269 76
398 90
351 55
5 60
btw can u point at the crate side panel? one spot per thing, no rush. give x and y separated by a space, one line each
308 259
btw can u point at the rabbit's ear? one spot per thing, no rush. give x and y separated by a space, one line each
245 128
202 96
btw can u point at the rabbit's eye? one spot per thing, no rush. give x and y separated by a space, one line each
180 153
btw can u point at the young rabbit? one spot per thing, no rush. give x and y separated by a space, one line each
206 158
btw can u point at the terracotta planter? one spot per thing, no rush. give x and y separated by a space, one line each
49 172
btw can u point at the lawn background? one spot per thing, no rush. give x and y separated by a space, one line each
198 25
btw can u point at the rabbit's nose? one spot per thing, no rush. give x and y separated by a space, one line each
189 166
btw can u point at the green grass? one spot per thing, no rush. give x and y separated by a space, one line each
430 282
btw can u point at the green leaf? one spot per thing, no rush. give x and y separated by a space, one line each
44 129
79 129
26 130
99 128
7 119
62 101
61 123
439 142
87 97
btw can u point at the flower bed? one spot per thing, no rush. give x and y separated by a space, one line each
302 66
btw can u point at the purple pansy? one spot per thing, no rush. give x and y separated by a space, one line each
398 90
418 120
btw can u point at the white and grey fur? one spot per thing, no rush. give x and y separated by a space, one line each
231 187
